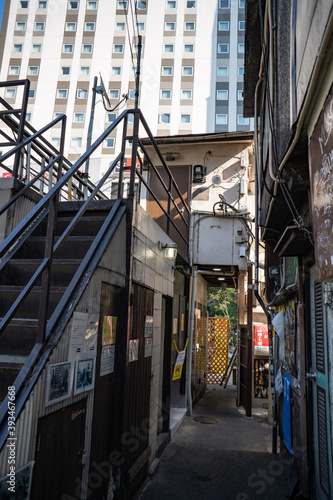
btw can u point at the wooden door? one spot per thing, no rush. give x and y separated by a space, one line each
320 384
106 425
58 459
137 411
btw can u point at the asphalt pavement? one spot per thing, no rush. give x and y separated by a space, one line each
219 454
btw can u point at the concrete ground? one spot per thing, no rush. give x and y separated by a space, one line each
227 460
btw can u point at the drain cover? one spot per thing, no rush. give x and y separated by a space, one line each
205 420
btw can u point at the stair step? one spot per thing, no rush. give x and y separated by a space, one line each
73 245
29 308
89 225
19 337
19 271
12 361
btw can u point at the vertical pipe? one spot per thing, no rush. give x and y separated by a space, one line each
20 131
249 360
138 70
190 343
123 146
134 153
89 137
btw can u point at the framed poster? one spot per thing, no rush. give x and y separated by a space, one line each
109 330
84 375
59 382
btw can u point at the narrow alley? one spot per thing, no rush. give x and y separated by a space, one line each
228 459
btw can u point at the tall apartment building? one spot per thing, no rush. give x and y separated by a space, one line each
191 71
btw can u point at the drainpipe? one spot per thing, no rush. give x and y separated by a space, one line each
257 265
190 341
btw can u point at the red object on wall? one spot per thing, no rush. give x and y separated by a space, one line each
261 340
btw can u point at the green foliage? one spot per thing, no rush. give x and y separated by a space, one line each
223 304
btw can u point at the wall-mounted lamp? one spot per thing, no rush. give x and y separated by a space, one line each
199 174
169 250
171 156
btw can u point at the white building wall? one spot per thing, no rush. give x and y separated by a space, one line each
202 107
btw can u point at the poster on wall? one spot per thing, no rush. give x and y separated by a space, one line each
84 375
290 338
107 359
148 347
21 484
286 414
83 341
109 330
59 382
133 350
149 326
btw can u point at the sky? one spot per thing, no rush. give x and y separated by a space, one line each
2 3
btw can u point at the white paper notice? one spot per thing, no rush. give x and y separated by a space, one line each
278 323
148 347
77 336
107 359
90 339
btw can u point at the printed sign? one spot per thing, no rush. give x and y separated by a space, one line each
133 350
109 330
84 375
261 340
149 327
177 372
107 359
59 382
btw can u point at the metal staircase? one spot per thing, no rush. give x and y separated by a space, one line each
50 255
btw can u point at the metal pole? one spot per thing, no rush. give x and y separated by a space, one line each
249 360
89 137
190 342
138 69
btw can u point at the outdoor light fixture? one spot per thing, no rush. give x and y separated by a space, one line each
221 278
217 269
199 173
169 250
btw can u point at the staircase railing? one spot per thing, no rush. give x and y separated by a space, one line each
47 207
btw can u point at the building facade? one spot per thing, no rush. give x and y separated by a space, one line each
191 66
288 84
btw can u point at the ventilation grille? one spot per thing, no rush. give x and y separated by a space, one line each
322 440
319 316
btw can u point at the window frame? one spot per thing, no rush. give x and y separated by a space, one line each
220 67
247 120
24 2
239 45
109 139
227 45
32 94
115 73
76 115
62 97
33 74
169 94
189 45
164 114
62 72
15 73
240 93
68 45
123 26
188 23
224 98
73 2
169 51
84 74
190 1
118 45
164 67
122 2
10 90
173 2
23 23
89 2
70 23
117 93
186 98
221 114
187 67
91 45
224 22
183 115
221 2
34 45
240 71
78 92
76 145
239 25
42 2
107 117
41 23
171 23
18 45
